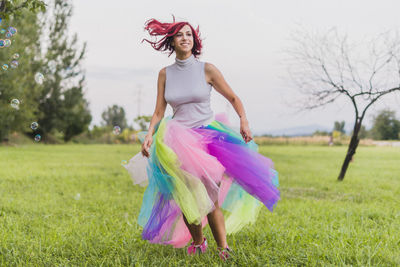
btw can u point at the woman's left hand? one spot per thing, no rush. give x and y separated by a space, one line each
245 131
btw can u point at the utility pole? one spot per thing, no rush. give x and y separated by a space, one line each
139 98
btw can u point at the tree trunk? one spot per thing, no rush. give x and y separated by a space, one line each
351 149
2 5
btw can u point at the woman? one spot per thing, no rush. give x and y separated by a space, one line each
198 168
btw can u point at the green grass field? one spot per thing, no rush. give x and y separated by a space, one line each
75 205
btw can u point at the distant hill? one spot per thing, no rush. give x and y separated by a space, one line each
296 131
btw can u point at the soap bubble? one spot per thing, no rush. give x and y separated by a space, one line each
16 56
2 43
221 138
2 31
117 130
15 103
39 78
4 67
124 162
12 30
7 42
34 125
14 64
78 196
8 34
38 138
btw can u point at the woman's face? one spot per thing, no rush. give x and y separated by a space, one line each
183 40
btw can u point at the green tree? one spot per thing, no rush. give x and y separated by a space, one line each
63 106
18 7
339 126
143 121
76 113
114 116
19 83
385 126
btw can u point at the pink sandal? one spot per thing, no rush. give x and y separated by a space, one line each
224 253
197 249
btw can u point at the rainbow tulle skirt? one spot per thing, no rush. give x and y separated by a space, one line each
191 169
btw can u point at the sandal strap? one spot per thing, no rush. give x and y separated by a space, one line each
192 249
224 253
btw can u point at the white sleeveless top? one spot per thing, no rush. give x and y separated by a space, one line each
188 92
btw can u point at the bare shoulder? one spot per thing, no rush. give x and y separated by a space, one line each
210 68
212 73
162 75
163 72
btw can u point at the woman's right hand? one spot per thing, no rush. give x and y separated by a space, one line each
148 140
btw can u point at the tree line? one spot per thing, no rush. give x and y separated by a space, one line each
385 126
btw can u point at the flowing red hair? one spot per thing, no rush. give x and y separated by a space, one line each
168 30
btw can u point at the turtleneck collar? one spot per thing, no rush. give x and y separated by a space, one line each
183 63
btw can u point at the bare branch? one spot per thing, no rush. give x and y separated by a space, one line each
345 56
379 96
325 67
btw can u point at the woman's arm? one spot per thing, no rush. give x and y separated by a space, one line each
158 114
215 78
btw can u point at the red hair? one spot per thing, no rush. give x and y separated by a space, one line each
168 30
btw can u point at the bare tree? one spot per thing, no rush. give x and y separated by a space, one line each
326 67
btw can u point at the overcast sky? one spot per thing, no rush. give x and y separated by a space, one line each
244 39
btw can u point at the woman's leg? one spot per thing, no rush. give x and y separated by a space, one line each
196 231
217 224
